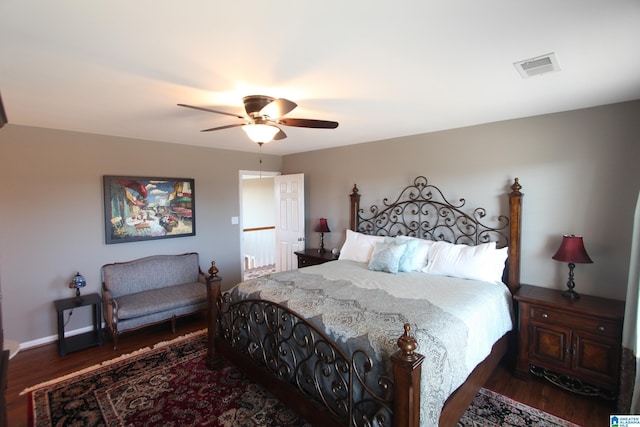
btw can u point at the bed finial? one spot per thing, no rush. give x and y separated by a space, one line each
407 343
516 187
213 271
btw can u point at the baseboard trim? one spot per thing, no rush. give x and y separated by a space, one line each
53 338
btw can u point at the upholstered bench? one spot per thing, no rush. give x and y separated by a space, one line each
151 290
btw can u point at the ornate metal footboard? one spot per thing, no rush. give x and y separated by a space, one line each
295 352
301 365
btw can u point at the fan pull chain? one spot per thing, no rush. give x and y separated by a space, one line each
260 144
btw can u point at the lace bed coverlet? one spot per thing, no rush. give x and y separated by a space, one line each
455 321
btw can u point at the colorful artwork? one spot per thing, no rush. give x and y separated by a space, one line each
148 208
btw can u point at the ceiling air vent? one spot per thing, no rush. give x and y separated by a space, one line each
539 65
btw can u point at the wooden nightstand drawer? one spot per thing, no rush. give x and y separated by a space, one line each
307 261
605 327
310 257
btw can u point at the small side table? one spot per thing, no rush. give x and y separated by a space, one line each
81 341
309 257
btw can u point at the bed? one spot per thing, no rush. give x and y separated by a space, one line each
379 337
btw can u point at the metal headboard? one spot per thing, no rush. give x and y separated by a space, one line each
421 210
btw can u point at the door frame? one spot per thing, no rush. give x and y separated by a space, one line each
242 175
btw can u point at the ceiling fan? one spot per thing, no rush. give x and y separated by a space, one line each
264 114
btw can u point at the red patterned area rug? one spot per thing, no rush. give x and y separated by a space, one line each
169 385
491 409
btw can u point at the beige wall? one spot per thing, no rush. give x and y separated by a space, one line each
51 221
579 172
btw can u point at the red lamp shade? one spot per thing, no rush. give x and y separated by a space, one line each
572 250
322 226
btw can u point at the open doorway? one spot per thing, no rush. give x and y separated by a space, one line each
257 223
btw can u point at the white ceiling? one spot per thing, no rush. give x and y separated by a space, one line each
382 69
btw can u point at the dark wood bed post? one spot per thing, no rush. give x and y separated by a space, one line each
213 292
407 368
515 222
355 208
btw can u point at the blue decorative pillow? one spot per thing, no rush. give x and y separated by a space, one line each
386 256
414 257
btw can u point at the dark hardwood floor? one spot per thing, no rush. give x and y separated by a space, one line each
36 365
582 410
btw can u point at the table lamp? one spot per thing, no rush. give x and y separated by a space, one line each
322 228
572 251
78 282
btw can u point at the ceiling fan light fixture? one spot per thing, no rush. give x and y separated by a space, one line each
264 117
260 133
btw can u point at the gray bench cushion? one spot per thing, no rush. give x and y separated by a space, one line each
162 299
150 273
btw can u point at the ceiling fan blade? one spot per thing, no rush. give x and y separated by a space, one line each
309 123
280 135
210 110
278 108
223 127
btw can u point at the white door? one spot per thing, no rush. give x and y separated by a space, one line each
289 195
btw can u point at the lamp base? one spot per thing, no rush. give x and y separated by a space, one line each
570 293
321 250
78 298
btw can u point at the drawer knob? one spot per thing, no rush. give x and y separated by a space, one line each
545 316
601 328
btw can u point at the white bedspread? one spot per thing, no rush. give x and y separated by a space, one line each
479 314
484 307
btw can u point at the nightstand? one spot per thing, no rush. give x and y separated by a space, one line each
309 257
575 344
88 339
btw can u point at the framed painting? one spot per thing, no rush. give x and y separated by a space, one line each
144 208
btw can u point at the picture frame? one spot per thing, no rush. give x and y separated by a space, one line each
148 208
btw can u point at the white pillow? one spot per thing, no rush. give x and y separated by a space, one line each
481 262
496 264
358 246
386 256
415 255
